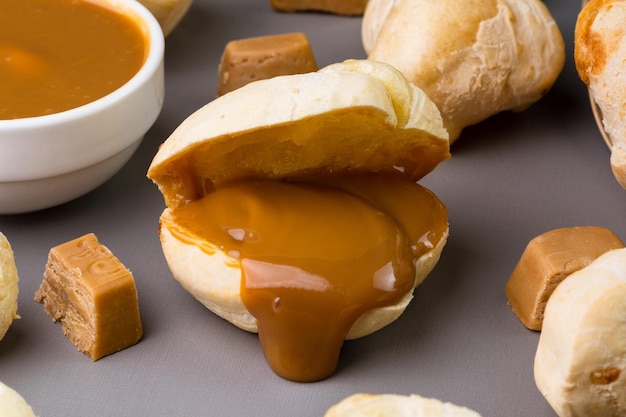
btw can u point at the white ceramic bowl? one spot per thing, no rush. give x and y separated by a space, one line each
52 159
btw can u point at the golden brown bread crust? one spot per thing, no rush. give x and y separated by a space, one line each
600 56
591 51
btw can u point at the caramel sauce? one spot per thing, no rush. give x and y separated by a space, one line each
317 254
59 54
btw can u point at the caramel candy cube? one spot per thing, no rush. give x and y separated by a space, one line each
344 7
547 260
251 59
93 295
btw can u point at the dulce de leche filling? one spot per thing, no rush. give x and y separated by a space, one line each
315 255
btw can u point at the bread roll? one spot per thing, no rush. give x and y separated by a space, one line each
168 13
355 115
600 56
12 404
581 355
472 58
378 405
293 209
8 286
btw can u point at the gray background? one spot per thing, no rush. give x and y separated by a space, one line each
511 178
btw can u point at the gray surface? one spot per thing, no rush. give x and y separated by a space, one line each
510 178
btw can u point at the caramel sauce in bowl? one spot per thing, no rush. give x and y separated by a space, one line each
63 55
51 157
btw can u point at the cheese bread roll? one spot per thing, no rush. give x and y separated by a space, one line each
379 405
473 58
8 286
12 404
581 356
292 196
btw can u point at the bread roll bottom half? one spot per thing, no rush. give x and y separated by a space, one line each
305 223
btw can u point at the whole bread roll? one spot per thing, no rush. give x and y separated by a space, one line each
9 282
168 13
473 58
581 356
353 116
12 404
600 56
379 405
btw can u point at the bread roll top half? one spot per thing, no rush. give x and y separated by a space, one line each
355 116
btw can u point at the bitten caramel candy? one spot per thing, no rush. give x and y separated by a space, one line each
251 59
547 260
93 295
345 7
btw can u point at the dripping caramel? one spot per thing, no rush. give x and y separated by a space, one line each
315 255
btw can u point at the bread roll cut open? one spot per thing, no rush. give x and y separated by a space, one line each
357 117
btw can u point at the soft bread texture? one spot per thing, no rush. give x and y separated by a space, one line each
600 56
168 13
581 355
392 405
472 58
363 115
9 286
12 404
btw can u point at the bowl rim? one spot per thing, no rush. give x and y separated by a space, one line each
153 34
